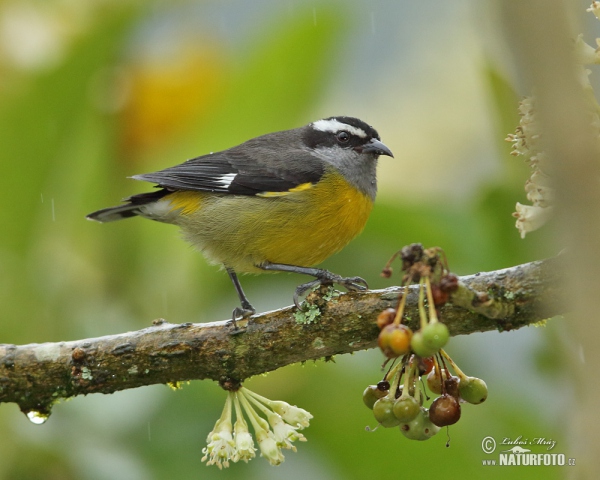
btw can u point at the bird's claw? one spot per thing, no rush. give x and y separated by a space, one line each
240 313
302 289
352 284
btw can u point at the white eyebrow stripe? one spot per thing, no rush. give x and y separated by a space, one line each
334 126
226 179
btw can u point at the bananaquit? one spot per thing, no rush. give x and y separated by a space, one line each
281 202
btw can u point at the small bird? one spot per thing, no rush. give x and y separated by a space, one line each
281 202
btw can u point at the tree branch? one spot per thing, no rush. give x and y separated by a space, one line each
36 375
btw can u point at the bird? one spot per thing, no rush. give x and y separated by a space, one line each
280 202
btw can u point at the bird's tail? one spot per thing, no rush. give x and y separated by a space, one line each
129 209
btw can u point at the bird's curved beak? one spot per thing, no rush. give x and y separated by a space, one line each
377 147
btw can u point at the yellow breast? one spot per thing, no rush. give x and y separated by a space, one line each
303 227
332 213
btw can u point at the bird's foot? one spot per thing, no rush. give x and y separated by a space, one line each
352 284
241 313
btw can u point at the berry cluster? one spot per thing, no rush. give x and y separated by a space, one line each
398 399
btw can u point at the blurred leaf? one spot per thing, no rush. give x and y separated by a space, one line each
37 124
280 79
504 102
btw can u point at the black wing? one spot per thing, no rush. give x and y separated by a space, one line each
271 163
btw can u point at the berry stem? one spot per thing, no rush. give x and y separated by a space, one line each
401 305
432 312
408 375
444 373
438 368
422 313
413 370
454 366
393 371
396 381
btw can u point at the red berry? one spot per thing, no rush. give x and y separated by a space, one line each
444 410
449 283
451 386
439 296
386 317
425 365
386 272
434 380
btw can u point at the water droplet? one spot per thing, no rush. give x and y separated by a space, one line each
37 417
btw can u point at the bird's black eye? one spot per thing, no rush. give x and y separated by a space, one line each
342 136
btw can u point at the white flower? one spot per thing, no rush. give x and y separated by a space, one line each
585 54
539 191
526 139
595 9
227 443
290 413
268 447
265 438
530 218
221 447
244 443
284 433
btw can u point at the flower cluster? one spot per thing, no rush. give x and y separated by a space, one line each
398 399
278 428
526 141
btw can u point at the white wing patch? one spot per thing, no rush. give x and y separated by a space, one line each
332 125
226 179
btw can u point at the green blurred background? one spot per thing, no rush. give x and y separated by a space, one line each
93 92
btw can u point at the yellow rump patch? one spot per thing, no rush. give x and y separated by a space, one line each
186 201
299 188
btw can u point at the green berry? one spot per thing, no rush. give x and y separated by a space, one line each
418 345
444 410
435 335
420 428
383 409
473 390
372 394
406 409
